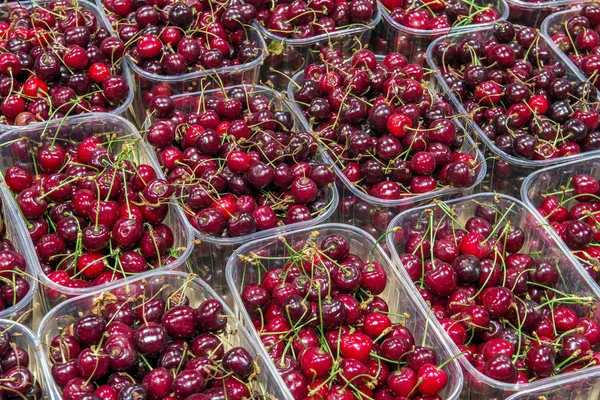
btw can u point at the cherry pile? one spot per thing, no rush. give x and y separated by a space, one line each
301 19
237 162
174 37
13 285
499 300
438 15
57 60
17 380
574 213
521 98
93 215
329 333
578 38
388 133
159 348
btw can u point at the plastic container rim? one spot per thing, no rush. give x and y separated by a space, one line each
143 148
545 4
399 202
510 387
434 33
480 135
419 305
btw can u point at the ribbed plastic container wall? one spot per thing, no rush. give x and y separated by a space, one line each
288 56
23 337
540 242
506 180
212 253
398 297
122 109
76 129
371 213
156 284
391 36
17 233
532 14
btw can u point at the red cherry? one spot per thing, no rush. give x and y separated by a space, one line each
398 125
432 380
357 346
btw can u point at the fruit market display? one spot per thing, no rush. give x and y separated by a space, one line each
94 214
238 161
440 15
578 39
390 135
57 59
496 286
215 147
329 333
522 98
168 345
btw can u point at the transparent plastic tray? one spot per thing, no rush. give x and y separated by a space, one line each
76 129
509 183
288 56
399 298
358 208
539 240
155 283
213 252
23 337
391 36
193 81
532 14
555 23
84 5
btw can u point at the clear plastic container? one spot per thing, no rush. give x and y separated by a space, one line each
288 56
213 252
391 36
76 129
17 233
84 5
157 283
197 81
553 180
540 242
555 23
506 172
371 213
530 13
23 337
399 298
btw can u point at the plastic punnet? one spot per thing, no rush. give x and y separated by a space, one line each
360 209
399 298
156 283
122 109
540 242
505 172
76 129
